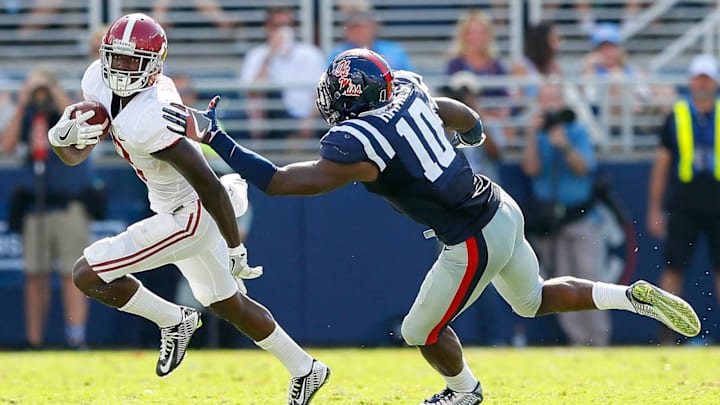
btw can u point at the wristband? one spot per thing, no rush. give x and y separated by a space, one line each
237 250
474 136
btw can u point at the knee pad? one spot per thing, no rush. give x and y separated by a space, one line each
528 306
413 333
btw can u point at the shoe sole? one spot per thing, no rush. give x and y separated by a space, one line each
677 313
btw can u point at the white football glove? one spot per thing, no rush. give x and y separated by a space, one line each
74 131
239 267
90 134
236 188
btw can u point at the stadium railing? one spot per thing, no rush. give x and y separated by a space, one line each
621 124
425 27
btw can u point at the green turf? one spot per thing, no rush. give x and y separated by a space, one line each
687 375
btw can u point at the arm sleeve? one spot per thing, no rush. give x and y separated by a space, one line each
257 169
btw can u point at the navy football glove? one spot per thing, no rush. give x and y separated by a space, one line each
197 125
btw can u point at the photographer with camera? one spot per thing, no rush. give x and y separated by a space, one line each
559 159
47 209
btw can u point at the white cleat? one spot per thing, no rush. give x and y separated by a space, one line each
174 341
302 389
450 397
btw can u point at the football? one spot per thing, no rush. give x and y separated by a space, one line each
100 116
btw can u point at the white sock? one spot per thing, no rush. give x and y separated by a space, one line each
297 361
611 296
463 382
147 304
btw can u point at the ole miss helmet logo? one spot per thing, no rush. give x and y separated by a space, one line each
342 69
349 88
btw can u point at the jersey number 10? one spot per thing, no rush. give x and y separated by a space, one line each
437 153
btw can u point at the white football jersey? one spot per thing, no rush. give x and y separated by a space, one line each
138 131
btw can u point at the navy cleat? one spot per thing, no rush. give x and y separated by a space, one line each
303 389
450 397
174 341
669 309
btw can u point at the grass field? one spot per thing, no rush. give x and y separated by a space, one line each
580 376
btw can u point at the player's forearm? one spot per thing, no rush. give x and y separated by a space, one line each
300 179
214 197
257 169
456 115
71 155
463 119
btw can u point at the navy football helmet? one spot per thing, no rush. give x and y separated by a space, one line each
356 81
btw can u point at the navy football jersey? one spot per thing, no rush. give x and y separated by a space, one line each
421 174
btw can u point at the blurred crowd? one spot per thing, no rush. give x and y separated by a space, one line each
556 130
280 65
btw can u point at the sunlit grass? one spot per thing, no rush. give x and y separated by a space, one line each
366 376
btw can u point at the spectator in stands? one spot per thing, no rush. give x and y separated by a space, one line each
541 48
559 160
686 165
41 14
608 61
7 104
474 50
615 12
49 212
184 86
94 41
209 9
361 31
283 61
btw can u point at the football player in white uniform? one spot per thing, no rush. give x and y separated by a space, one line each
194 223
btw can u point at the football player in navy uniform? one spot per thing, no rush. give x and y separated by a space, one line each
390 134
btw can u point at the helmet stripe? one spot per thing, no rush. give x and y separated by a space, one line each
129 28
383 69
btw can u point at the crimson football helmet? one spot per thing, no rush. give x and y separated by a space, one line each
132 54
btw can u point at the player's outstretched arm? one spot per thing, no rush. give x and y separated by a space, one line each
303 178
463 120
190 164
318 177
